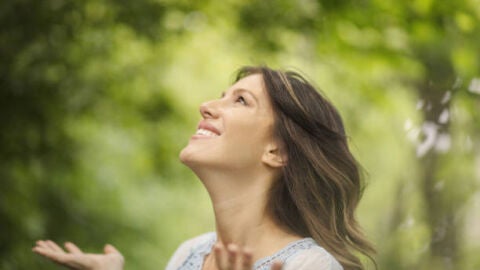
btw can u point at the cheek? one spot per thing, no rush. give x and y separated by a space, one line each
248 141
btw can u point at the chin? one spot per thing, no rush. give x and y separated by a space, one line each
184 156
196 160
188 157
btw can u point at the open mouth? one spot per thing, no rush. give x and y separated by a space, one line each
207 129
206 132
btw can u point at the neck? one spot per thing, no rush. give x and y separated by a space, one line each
242 218
241 215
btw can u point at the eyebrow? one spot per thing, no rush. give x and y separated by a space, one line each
243 90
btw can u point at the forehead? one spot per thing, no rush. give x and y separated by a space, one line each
252 83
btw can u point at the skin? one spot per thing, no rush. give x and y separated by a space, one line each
75 258
237 167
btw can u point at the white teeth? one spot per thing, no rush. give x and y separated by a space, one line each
205 132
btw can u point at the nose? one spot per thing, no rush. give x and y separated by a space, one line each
208 110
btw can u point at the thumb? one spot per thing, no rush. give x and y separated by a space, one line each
109 249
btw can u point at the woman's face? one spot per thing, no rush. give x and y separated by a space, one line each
235 129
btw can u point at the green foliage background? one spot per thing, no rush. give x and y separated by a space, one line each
97 97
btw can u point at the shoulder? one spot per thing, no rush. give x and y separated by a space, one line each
313 258
186 248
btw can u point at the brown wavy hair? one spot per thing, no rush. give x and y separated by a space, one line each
321 185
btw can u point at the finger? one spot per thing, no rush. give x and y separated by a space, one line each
42 243
50 254
233 255
221 256
247 260
109 249
72 248
277 265
38 243
70 260
53 246
112 251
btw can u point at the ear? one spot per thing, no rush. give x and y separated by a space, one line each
274 156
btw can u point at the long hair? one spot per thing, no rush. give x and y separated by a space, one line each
320 186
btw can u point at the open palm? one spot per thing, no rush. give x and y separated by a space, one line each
75 258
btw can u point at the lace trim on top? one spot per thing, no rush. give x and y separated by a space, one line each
195 259
284 254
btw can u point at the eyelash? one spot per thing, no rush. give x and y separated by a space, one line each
242 100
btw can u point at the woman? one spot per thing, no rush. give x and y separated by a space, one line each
273 156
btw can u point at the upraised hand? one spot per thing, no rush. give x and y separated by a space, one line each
233 257
74 258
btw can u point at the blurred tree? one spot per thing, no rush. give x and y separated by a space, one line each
442 38
84 104
53 70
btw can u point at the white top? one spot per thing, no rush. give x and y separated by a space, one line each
303 254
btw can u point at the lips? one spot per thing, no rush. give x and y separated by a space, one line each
207 129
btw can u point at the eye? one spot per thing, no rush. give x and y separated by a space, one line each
242 100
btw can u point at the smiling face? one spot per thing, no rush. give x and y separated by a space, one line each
235 130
